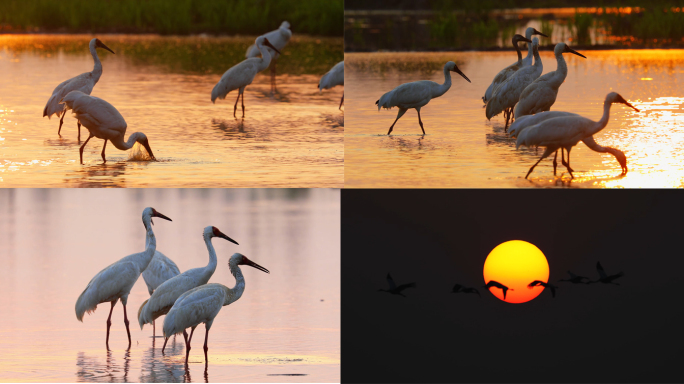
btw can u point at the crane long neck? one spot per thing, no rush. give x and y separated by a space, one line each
561 71
119 142
594 146
233 294
604 119
150 245
211 267
517 50
442 88
265 57
97 69
537 58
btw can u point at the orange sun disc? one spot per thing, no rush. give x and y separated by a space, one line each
515 264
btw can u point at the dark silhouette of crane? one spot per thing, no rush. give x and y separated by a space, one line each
545 285
576 279
394 289
605 278
493 283
458 288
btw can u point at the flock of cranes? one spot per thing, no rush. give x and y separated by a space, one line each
105 122
458 288
520 92
187 299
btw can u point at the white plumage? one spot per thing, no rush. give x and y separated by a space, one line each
417 94
242 74
334 77
566 131
508 93
505 73
160 269
162 299
115 281
84 82
541 94
103 121
279 38
202 304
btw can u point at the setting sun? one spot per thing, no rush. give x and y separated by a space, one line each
515 264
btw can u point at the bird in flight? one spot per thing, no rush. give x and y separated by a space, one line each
603 277
458 288
576 279
493 283
545 285
394 289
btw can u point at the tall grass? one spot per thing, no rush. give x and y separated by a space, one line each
252 17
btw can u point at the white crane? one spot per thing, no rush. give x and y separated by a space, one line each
496 284
541 94
508 93
242 74
417 94
458 288
567 131
605 278
160 269
545 285
511 69
332 78
84 82
396 289
279 38
162 299
203 303
115 281
103 121
575 279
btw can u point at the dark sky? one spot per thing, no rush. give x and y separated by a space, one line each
588 333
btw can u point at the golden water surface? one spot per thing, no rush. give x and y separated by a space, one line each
162 87
463 149
285 327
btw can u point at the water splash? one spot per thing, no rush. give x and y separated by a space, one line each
138 153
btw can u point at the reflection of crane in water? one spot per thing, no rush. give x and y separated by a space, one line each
394 289
605 278
496 284
575 279
458 288
545 285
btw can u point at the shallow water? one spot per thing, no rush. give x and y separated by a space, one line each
162 87
53 241
463 149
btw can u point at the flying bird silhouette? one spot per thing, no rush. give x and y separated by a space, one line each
603 277
545 285
458 288
493 283
394 289
575 279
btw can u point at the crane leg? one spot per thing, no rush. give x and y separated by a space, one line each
555 163
544 155
187 347
83 146
192 331
206 359
79 131
273 76
128 331
235 107
154 328
420 121
341 102
243 105
568 165
105 160
60 123
399 115
508 116
165 341
109 323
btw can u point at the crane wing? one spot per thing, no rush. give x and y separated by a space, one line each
559 131
160 269
95 114
600 270
411 94
390 281
194 307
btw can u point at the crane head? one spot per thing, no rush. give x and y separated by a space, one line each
216 233
100 44
518 38
565 48
616 98
451 66
151 212
535 32
245 261
145 143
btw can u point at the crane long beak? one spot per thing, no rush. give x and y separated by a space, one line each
146 144
539 33
101 45
630 105
268 44
461 73
223 236
246 261
161 216
568 49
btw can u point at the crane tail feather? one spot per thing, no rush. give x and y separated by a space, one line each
141 319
